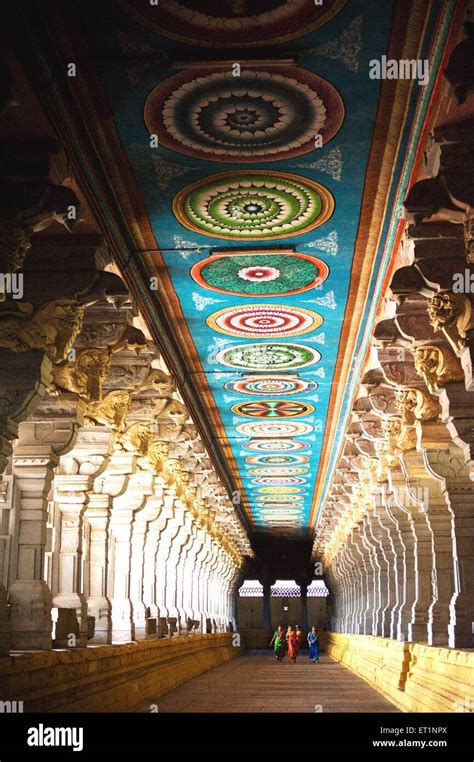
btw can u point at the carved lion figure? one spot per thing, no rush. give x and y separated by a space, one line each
158 452
171 471
452 314
111 411
85 375
137 438
416 405
53 328
436 366
182 482
398 436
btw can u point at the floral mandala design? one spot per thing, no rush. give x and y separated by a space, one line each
268 356
253 205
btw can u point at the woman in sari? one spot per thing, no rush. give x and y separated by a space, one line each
299 637
292 643
278 643
313 642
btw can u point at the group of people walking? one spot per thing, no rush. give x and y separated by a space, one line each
292 640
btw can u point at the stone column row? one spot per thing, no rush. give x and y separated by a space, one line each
116 527
396 533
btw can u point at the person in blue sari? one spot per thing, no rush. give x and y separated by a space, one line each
313 642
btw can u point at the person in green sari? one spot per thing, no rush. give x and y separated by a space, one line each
278 643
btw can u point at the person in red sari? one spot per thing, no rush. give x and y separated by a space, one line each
299 637
292 643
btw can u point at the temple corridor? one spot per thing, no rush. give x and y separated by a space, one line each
255 683
236 357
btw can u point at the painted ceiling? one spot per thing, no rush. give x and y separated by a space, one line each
250 127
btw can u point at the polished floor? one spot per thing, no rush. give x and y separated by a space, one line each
253 683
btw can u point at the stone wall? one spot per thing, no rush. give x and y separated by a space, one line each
110 678
413 676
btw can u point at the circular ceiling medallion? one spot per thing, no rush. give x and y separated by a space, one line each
274 429
279 471
211 23
276 445
253 205
273 409
271 499
268 356
276 460
281 510
262 115
264 273
264 321
279 480
269 385
280 522
279 490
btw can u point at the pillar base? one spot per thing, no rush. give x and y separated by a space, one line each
100 609
78 604
122 623
417 632
31 623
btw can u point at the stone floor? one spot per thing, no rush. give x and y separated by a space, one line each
256 682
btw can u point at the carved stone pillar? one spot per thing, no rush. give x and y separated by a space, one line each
125 505
374 561
186 551
178 537
423 557
362 550
206 563
439 520
389 569
35 456
154 508
72 485
190 575
99 607
70 494
391 526
396 509
213 586
360 591
143 515
169 531
197 594
455 482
